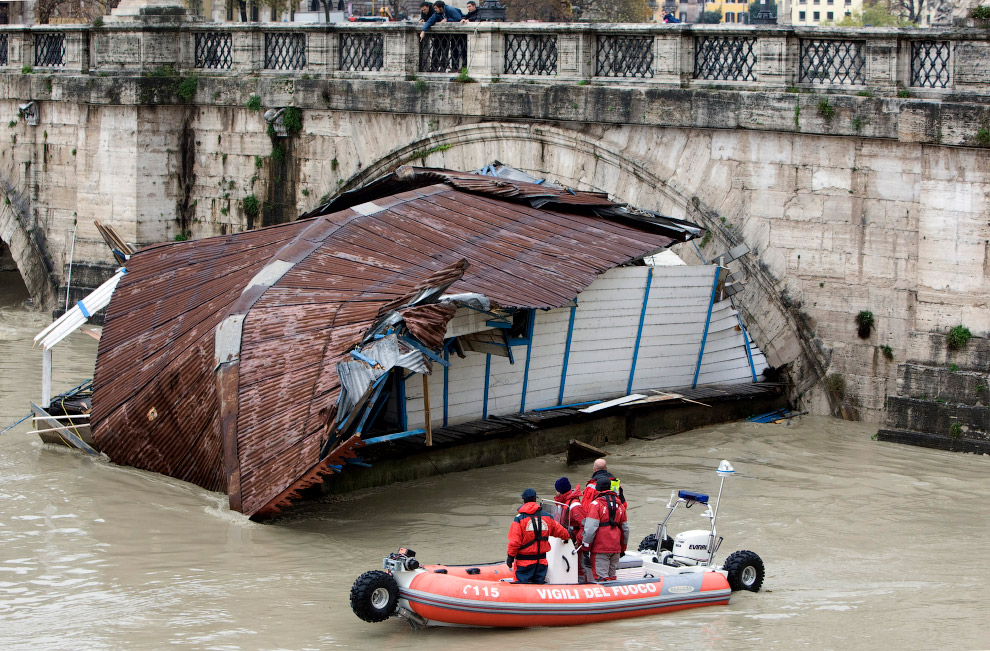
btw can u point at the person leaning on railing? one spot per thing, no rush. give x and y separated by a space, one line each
441 14
472 13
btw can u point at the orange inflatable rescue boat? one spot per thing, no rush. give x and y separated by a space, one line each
664 575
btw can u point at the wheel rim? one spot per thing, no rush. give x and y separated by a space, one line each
748 575
379 598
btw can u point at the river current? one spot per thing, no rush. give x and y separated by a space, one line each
867 545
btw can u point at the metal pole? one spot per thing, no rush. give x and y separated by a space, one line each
72 251
426 407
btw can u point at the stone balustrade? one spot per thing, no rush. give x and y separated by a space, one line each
929 62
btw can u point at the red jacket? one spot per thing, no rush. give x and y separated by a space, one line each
529 534
573 517
605 529
590 491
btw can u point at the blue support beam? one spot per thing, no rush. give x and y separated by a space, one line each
392 437
400 382
446 380
423 349
529 354
488 375
749 354
567 355
704 336
639 331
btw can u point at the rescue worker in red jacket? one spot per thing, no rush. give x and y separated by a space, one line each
606 531
600 471
573 516
529 540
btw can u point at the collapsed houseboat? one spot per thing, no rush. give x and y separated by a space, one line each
259 363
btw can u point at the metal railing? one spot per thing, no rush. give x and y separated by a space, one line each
285 51
832 61
930 64
929 61
530 54
49 49
624 56
725 58
361 52
443 53
213 50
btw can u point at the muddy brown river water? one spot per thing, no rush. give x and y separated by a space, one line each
867 545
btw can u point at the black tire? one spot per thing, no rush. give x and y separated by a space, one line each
650 544
745 571
374 596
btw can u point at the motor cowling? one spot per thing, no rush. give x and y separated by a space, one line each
692 545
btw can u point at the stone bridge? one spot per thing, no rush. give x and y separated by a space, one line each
853 163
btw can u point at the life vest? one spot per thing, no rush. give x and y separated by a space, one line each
612 504
540 535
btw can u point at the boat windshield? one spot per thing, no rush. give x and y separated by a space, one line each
556 509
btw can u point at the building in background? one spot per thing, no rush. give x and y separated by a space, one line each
820 12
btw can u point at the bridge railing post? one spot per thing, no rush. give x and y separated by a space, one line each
18 45
882 65
402 52
486 51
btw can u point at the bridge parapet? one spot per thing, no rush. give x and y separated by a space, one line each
928 63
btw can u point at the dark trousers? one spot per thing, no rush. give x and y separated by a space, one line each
535 573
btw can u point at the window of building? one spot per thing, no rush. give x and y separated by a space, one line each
830 16
817 16
803 2
849 13
730 17
274 15
830 2
802 16
743 16
254 13
230 10
683 17
817 2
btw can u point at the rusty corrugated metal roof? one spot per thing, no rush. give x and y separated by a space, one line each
218 361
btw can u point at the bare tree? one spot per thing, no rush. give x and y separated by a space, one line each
549 11
913 10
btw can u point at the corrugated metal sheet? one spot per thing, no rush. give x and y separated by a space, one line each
254 422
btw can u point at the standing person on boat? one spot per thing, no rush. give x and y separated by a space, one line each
529 540
573 516
606 531
600 471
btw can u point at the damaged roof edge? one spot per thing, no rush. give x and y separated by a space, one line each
537 195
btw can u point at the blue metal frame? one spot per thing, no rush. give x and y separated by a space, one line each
573 404
749 355
400 396
446 370
708 320
567 355
488 375
392 437
639 331
529 353
423 349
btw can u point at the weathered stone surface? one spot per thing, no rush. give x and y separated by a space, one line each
880 207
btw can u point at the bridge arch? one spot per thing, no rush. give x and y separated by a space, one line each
27 246
594 157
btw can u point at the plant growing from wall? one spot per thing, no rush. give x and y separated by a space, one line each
825 109
955 430
835 384
981 14
887 351
983 137
958 337
186 90
251 206
864 321
253 103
